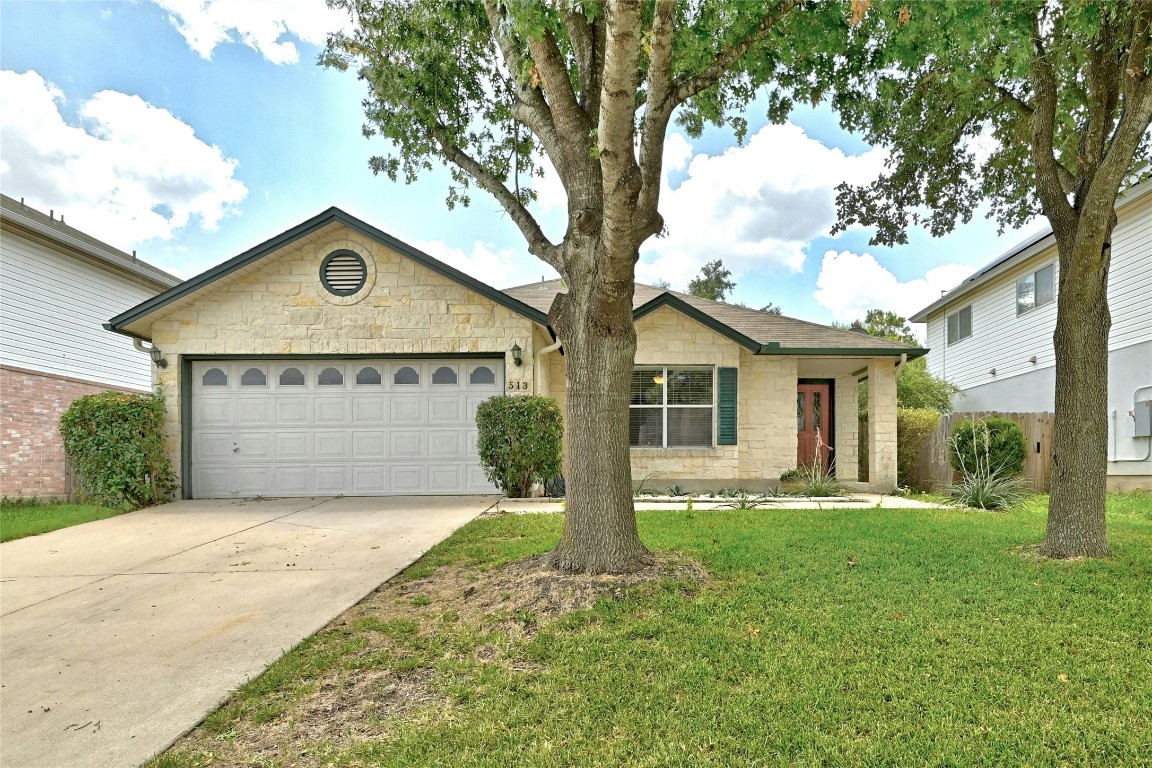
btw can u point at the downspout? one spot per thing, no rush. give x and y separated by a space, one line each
538 363
903 361
139 345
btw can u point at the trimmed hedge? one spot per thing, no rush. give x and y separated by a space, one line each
115 442
913 427
994 444
520 441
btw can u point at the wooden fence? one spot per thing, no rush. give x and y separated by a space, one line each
934 471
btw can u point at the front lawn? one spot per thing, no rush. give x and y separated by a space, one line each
834 637
27 517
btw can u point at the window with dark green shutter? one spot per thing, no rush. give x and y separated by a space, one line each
726 406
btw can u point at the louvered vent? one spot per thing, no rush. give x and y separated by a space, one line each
343 273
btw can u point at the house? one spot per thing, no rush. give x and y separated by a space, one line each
336 359
992 336
57 287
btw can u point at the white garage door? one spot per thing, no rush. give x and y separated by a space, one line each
351 427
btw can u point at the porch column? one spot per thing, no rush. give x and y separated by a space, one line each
847 429
882 424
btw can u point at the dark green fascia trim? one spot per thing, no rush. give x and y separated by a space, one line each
357 356
185 395
108 327
675 302
302 230
775 349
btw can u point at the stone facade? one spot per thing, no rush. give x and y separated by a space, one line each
32 462
882 424
280 307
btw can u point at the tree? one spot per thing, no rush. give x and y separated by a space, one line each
714 282
915 386
487 86
662 284
1038 108
771 309
889 325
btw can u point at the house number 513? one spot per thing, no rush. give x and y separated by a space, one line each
514 385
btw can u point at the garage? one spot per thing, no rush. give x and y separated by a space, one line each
327 427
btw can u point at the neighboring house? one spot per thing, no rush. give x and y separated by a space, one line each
992 336
57 287
335 359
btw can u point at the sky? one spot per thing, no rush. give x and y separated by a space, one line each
192 130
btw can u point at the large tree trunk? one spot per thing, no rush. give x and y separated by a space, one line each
594 320
1076 519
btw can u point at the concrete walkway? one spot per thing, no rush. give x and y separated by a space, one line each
118 636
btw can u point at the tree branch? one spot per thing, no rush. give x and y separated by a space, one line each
589 59
724 61
538 245
572 123
657 114
1049 186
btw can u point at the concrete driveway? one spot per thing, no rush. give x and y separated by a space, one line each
118 636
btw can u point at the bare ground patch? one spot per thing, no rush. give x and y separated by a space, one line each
380 683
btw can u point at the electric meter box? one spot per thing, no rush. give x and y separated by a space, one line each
1143 417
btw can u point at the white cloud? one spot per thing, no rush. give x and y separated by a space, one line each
500 268
261 25
129 173
756 206
850 284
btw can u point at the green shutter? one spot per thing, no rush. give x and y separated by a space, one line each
726 406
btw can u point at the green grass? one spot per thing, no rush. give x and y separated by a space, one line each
26 517
948 642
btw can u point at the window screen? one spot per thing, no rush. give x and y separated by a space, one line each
671 407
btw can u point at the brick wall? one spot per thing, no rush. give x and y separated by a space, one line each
31 451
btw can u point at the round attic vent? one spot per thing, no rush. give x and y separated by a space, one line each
343 273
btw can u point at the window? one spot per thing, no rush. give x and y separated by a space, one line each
368 375
960 325
1035 289
343 273
253 377
444 375
291 377
671 407
330 377
406 375
482 375
214 377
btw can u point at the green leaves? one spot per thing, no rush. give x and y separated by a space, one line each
115 443
520 441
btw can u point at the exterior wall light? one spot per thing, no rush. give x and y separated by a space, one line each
517 355
157 357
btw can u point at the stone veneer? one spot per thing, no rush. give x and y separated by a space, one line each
882 424
280 307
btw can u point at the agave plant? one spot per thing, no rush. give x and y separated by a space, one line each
984 484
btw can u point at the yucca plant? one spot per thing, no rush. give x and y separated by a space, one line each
984 483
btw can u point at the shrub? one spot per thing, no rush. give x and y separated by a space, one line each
115 442
913 427
816 480
520 441
995 443
984 485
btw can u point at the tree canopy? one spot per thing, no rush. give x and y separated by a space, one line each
714 282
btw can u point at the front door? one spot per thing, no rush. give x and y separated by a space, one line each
812 435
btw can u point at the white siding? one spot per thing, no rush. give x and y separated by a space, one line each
52 309
1002 341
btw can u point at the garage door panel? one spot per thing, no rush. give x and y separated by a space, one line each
369 444
369 409
292 410
293 446
332 445
253 445
214 411
332 410
293 480
444 477
406 478
407 409
445 409
348 430
406 443
254 411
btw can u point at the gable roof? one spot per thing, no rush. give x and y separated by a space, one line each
66 239
1014 256
756 331
331 216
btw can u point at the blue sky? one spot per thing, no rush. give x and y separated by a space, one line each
191 131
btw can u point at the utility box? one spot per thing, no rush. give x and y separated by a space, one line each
1143 417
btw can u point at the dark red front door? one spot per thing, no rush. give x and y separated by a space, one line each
812 424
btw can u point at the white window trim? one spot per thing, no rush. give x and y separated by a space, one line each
956 314
664 409
1035 291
